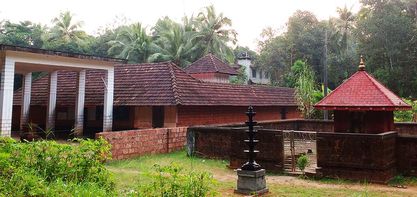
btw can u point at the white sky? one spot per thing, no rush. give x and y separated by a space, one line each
249 17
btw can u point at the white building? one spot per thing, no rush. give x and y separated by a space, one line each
255 74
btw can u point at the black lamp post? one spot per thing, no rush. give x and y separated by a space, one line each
251 165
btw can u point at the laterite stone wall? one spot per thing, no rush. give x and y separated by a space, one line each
407 155
357 156
133 143
227 143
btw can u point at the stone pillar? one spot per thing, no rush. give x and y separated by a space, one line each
79 104
7 67
51 105
25 103
108 100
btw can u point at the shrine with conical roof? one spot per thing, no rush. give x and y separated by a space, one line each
364 142
362 104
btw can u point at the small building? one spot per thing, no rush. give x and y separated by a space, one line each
156 95
364 143
362 105
209 68
255 74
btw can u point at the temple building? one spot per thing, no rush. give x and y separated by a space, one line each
154 95
362 105
364 142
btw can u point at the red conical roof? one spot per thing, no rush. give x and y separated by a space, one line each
362 92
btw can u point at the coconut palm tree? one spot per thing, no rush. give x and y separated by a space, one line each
66 29
132 43
215 33
174 43
345 25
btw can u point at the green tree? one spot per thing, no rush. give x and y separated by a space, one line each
174 43
274 57
66 35
215 34
305 35
24 34
100 45
305 88
66 28
342 54
345 25
241 77
303 39
133 44
387 31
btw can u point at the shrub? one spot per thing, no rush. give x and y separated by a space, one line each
40 168
407 115
173 181
302 162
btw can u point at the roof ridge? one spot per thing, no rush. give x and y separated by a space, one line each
213 63
146 63
174 84
373 80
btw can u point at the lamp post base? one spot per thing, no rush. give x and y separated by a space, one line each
251 182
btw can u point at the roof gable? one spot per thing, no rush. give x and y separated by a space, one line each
362 92
210 64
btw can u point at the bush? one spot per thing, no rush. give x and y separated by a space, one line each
173 181
407 115
302 162
43 167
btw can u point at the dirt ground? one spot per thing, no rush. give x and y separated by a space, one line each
290 181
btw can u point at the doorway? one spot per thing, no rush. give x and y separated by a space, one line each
158 116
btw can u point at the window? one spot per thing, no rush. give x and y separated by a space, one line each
253 73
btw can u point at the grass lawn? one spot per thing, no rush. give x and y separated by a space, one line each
129 173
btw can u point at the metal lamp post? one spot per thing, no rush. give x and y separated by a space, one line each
251 178
251 165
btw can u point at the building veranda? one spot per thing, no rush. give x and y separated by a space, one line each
25 61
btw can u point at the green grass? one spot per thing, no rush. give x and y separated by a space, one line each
400 180
129 173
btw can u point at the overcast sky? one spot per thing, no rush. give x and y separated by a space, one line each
249 17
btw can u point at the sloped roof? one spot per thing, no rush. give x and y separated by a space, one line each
362 92
157 84
210 64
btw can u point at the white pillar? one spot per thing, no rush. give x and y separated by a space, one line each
108 100
79 104
25 103
6 95
51 105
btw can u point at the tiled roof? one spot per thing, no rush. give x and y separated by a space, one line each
158 84
210 64
362 92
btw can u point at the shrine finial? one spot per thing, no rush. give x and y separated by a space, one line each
362 64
